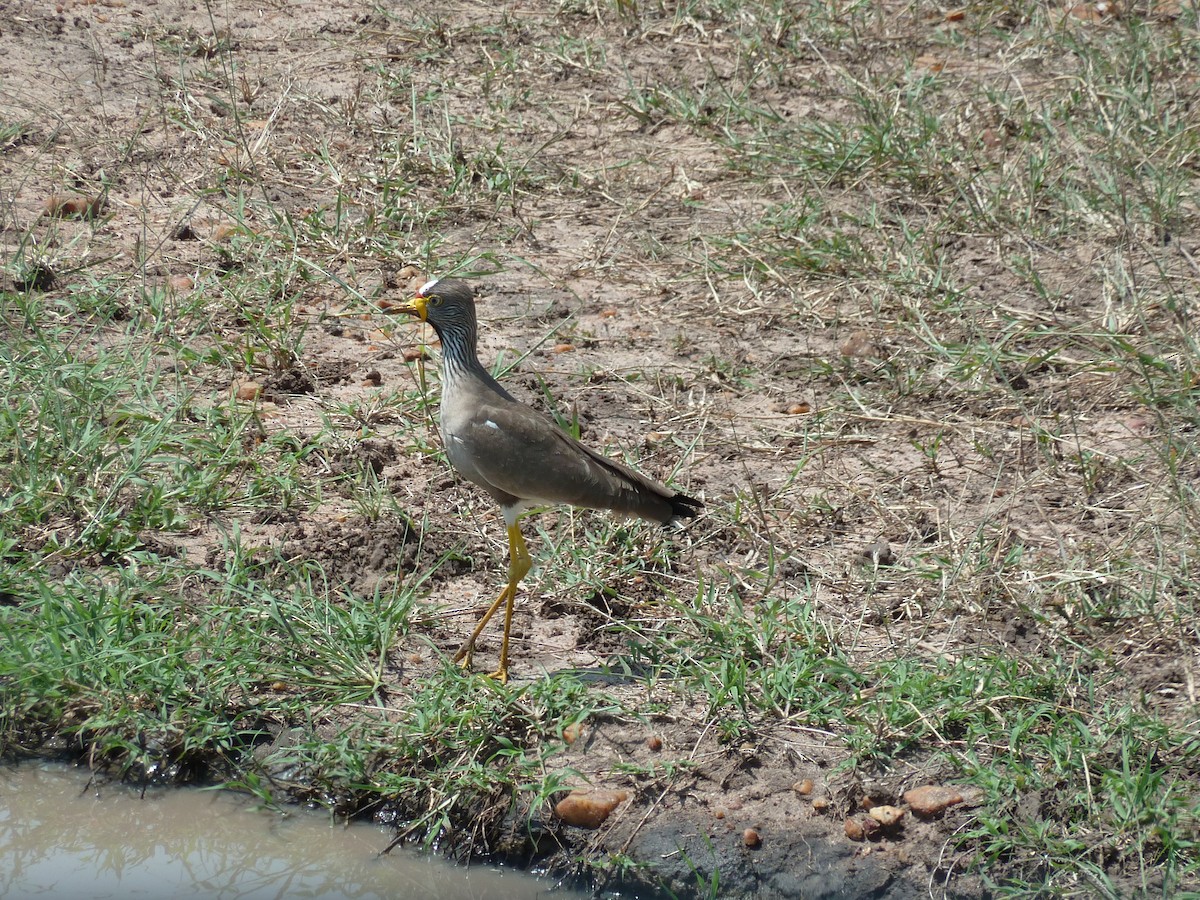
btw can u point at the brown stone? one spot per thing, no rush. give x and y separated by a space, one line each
887 816
572 732
751 838
931 799
803 787
73 207
248 390
588 807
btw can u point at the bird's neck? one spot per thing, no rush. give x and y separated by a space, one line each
460 353
461 369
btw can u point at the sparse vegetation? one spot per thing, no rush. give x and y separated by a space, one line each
906 294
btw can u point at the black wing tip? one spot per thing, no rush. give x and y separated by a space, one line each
684 507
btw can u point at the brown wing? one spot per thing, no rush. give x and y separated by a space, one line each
517 451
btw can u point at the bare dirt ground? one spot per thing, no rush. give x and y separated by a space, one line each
631 279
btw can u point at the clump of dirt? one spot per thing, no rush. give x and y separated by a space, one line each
368 456
292 380
357 553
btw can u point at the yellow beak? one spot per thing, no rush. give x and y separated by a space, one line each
416 307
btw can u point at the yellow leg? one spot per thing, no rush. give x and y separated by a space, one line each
519 564
465 652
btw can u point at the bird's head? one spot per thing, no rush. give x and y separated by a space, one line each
443 302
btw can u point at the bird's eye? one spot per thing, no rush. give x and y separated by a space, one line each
435 300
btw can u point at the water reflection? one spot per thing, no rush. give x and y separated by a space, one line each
61 838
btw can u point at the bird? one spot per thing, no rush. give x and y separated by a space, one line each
519 457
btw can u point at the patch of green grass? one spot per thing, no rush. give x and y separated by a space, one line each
1052 760
126 649
753 661
1124 805
969 239
469 745
140 674
14 132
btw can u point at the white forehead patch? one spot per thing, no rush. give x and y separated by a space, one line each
425 287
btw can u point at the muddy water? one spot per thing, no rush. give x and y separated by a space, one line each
61 838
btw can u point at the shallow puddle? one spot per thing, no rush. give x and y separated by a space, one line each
63 838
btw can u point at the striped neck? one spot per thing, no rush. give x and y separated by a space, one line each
459 351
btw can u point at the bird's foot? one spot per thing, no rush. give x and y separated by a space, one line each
465 654
464 657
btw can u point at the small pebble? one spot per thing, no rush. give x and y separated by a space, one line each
572 733
73 207
751 838
887 816
931 799
248 390
588 807
654 742
804 787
